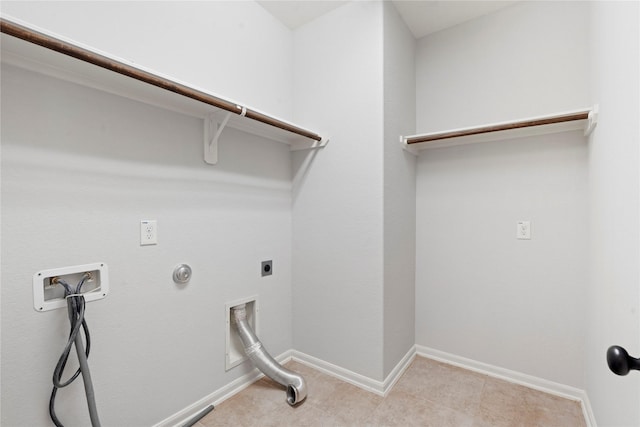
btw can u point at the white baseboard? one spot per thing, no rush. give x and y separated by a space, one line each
219 396
380 388
515 377
340 373
587 411
399 369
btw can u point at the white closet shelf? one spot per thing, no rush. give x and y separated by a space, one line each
48 54
585 119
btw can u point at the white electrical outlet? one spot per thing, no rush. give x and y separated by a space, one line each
523 231
148 232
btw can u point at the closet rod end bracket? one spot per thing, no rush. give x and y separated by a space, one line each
299 146
408 147
592 120
323 142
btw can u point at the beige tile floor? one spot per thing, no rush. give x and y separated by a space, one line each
428 394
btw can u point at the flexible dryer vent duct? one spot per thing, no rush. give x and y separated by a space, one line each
261 359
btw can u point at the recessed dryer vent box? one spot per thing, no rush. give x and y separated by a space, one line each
48 295
235 354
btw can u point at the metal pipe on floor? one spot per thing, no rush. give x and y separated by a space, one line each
200 415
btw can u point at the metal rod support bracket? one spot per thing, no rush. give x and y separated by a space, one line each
212 132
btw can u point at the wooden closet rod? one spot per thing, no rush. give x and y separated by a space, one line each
86 55
581 115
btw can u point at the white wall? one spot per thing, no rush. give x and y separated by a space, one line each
235 49
399 190
337 203
480 293
81 168
524 60
614 288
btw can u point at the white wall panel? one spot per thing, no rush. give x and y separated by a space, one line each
81 168
614 285
399 190
338 193
235 49
480 293
528 59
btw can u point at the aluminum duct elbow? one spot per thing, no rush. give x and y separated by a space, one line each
261 359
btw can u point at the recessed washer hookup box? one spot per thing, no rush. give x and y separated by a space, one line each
49 295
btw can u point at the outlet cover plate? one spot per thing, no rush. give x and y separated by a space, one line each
148 232
523 231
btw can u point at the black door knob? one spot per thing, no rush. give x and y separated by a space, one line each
620 362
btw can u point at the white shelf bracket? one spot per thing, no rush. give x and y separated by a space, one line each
408 147
298 146
212 132
592 120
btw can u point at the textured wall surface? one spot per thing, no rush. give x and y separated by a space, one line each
81 168
337 203
399 190
614 285
480 293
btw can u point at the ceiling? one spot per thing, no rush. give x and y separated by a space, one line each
295 13
423 17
